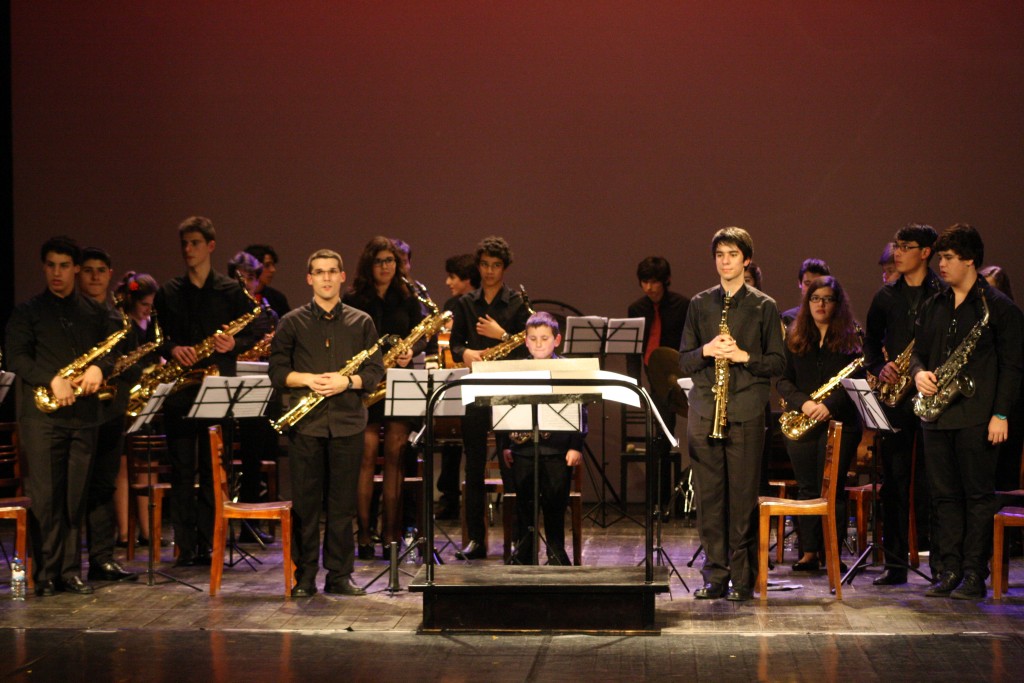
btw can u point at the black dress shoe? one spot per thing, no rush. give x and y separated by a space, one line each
710 591
304 590
343 587
111 571
948 581
739 594
891 577
364 551
255 535
204 558
185 560
75 584
472 551
46 589
971 588
810 566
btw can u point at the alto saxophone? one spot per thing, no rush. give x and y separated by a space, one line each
173 371
46 402
128 360
795 424
721 387
950 377
313 399
260 350
499 351
427 327
891 393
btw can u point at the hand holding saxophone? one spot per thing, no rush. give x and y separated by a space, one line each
328 383
890 373
926 382
724 347
816 411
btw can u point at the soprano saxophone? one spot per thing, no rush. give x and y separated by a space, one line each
46 402
311 400
427 327
721 387
795 424
950 377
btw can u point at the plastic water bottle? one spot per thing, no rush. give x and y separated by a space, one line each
17 579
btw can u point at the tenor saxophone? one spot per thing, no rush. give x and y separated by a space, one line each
795 424
313 399
46 402
499 351
721 387
950 377
891 393
173 371
427 327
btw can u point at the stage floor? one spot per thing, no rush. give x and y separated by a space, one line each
251 632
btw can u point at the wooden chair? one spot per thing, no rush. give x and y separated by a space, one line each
15 505
509 518
783 488
146 455
825 507
1008 516
634 451
225 511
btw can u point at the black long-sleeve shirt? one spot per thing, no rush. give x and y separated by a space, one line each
45 334
996 363
310 339
507 309
393 314
805 374
672 309
891 318
753 321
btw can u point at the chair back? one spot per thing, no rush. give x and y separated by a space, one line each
633 427
220 477
146 454
831 479
11 483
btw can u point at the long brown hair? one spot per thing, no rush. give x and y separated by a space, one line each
364 283
843 334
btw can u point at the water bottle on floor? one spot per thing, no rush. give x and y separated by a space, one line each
17 578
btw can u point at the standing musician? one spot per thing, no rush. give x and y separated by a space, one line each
192 307
379 290
46 334
483 318
890 330
727 470
821 342
311 344
101 512
962 441
664 314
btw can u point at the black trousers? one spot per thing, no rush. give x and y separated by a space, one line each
448 478
58 460
808 458
726 475
554 479
475 425
897 483
961 475
188 451
318 464
101 516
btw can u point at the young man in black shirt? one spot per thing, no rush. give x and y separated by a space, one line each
962 441
312 344
890 330
727 471
44 335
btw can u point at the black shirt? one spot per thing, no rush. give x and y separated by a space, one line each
995 365
394 314
672 309
805 374
310 339
277 300
507 309
753 321
45 334
891 318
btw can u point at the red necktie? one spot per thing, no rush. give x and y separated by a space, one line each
654 340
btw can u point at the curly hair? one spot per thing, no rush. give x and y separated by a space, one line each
843 334
364 283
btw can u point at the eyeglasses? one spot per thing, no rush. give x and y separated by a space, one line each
815 299
904 247
389 261
333 272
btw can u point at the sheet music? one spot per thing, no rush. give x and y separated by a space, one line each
625 335
156 400
871 412
584 335
6 381
407 392
217 393
551 417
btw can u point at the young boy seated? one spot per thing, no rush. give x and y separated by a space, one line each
559 453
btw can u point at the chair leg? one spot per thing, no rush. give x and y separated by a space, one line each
508 526
762 554
462 518
156 532
997 557
286 551
132 533
832 555
577 530
21 543
217 555
862 523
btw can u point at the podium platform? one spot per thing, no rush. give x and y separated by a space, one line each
529 598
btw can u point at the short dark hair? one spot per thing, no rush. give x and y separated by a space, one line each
924 235
96 254
964 241
463 267
260 251
244 262
324 253
755 273
200 224
654 268
495 247
738 237
62 244
813 265
544 319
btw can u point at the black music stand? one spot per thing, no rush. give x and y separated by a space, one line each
226 399
600 336
873 416
143 424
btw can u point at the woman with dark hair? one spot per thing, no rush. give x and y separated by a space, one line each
822 340
379 290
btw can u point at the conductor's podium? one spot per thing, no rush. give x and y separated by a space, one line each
485 597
